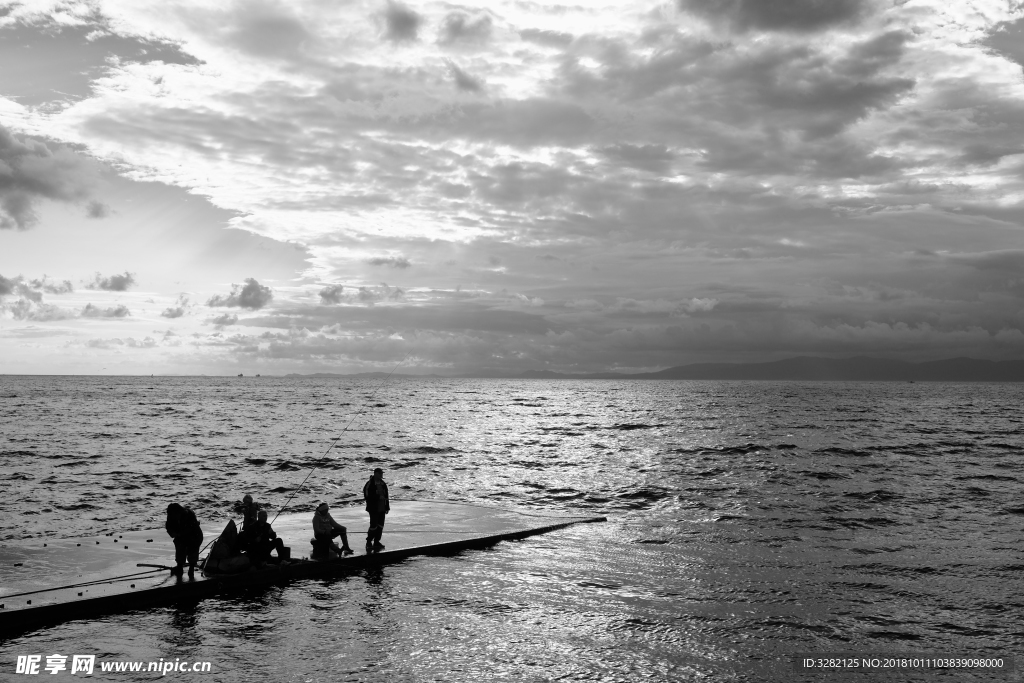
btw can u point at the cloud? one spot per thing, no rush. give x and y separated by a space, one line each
547 38
460 27
178 310
402 23
779 15
36 311
464 81
97 209
30 171
331 294
391 261
803 175
371 295
114 283
7 286
224 320
694 305
252 296
119 311
33 289
51 287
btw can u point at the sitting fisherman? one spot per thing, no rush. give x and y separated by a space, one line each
184 528
325 530
263 539
250 511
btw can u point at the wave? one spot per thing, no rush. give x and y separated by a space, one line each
428 450
822 475
989 477
836 450
723 450
631 427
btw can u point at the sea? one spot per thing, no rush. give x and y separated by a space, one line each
749 524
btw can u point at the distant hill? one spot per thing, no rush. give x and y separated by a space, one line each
860 368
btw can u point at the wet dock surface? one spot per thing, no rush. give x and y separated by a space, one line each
44 575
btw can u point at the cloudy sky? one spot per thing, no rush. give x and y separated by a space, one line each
315 185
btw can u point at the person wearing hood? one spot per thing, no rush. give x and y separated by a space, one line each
325 530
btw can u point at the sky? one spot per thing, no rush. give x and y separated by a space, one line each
193 187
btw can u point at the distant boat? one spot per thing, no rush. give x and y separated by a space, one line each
257 374
241 375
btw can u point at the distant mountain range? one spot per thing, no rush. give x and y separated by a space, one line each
858 369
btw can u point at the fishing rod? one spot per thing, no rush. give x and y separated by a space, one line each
333 443
97 582
338 438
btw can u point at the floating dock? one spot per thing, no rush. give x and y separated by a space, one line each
48 581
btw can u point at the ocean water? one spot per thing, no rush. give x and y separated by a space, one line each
747 521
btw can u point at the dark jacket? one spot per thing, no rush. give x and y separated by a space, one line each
260 532
249 515
370 496
182 524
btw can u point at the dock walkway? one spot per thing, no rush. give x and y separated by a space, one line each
49 581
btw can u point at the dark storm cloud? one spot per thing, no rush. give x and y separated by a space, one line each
800 16
392 261
31 170
253 296
119 311
331 294
654 158
1008 261
461 27
401 23
114 283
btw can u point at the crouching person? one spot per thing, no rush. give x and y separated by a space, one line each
184 528
325 530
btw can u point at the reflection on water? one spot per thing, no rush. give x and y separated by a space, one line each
746 522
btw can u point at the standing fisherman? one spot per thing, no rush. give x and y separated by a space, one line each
375 493
183 527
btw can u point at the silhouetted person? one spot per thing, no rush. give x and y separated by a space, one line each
250 511
375 493
325 530
263 539
183 527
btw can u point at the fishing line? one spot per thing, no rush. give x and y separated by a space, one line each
97 582
338 438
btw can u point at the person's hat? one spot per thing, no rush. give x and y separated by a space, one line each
247 498
323 504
